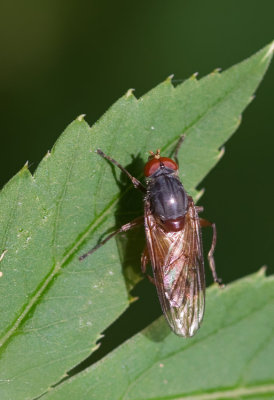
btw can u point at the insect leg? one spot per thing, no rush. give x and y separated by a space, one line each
137 184
211 261
144 262
124 228
177 148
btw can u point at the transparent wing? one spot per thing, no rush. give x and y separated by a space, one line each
178 267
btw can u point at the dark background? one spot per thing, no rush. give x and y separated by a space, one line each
63 58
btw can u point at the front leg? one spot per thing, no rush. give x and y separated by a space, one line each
137 184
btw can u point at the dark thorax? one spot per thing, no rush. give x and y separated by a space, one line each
167 197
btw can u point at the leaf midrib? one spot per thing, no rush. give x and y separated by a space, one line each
234 393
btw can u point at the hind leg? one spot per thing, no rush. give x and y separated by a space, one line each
211 261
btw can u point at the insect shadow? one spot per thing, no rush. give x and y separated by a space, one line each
146 309
130 205
130 246
131 243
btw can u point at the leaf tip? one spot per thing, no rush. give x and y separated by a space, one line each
268 55
81 117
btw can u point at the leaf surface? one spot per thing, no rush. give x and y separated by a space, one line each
231 356
53 307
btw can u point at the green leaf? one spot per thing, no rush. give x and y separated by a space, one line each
53 307
231 356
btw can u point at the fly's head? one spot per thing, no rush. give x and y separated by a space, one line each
158 165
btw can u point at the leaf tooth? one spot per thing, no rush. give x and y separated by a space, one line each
262 271
169 81
169 78
25 169
251 98
98 344
132 299
221 153
216 71
81 117
129 93
199 194
194 76
239 120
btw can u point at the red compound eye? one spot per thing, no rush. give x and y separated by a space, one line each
154 164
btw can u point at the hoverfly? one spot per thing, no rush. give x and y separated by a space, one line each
174 245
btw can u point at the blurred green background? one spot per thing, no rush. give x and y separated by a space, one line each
63 58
